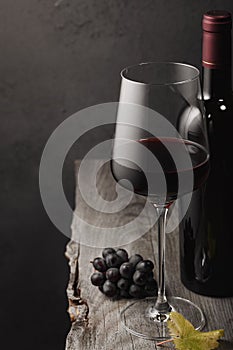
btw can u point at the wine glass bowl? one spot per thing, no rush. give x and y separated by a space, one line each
170 162
158 156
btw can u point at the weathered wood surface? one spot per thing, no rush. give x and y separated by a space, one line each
95 319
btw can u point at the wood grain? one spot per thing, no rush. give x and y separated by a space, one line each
95 319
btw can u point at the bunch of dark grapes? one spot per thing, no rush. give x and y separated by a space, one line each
119 276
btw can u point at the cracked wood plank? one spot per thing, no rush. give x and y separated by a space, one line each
95 319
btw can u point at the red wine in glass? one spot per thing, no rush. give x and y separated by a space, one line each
172 166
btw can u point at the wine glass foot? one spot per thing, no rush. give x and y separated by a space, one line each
143 320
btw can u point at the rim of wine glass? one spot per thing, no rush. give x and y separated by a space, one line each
126 69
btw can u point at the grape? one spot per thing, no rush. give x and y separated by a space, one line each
140 278
109 289
101 289
117 294
123 284
150 275
113 260
125 294
127 270
107 251
122 253
113 274
151 287
99 264
134 259
136 291
145 266
97 278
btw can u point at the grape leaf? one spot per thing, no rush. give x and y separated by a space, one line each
185 337
179 326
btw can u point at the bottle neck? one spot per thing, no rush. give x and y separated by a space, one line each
217 83
216 61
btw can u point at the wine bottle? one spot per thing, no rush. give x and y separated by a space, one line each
206 231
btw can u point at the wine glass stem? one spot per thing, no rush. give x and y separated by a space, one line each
161 303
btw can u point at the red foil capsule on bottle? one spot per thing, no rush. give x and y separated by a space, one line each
216 39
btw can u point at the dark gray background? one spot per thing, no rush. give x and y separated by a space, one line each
57 58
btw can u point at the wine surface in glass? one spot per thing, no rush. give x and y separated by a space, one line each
172 166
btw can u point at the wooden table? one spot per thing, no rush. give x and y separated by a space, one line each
95 319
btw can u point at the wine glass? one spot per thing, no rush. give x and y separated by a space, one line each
160 151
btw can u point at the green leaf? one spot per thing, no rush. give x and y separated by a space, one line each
179 326
185 337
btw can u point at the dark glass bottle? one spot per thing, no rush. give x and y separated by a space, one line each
206 232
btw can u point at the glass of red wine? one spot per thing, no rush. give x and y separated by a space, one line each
160 152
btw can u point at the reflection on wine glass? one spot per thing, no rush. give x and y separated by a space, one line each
153 156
